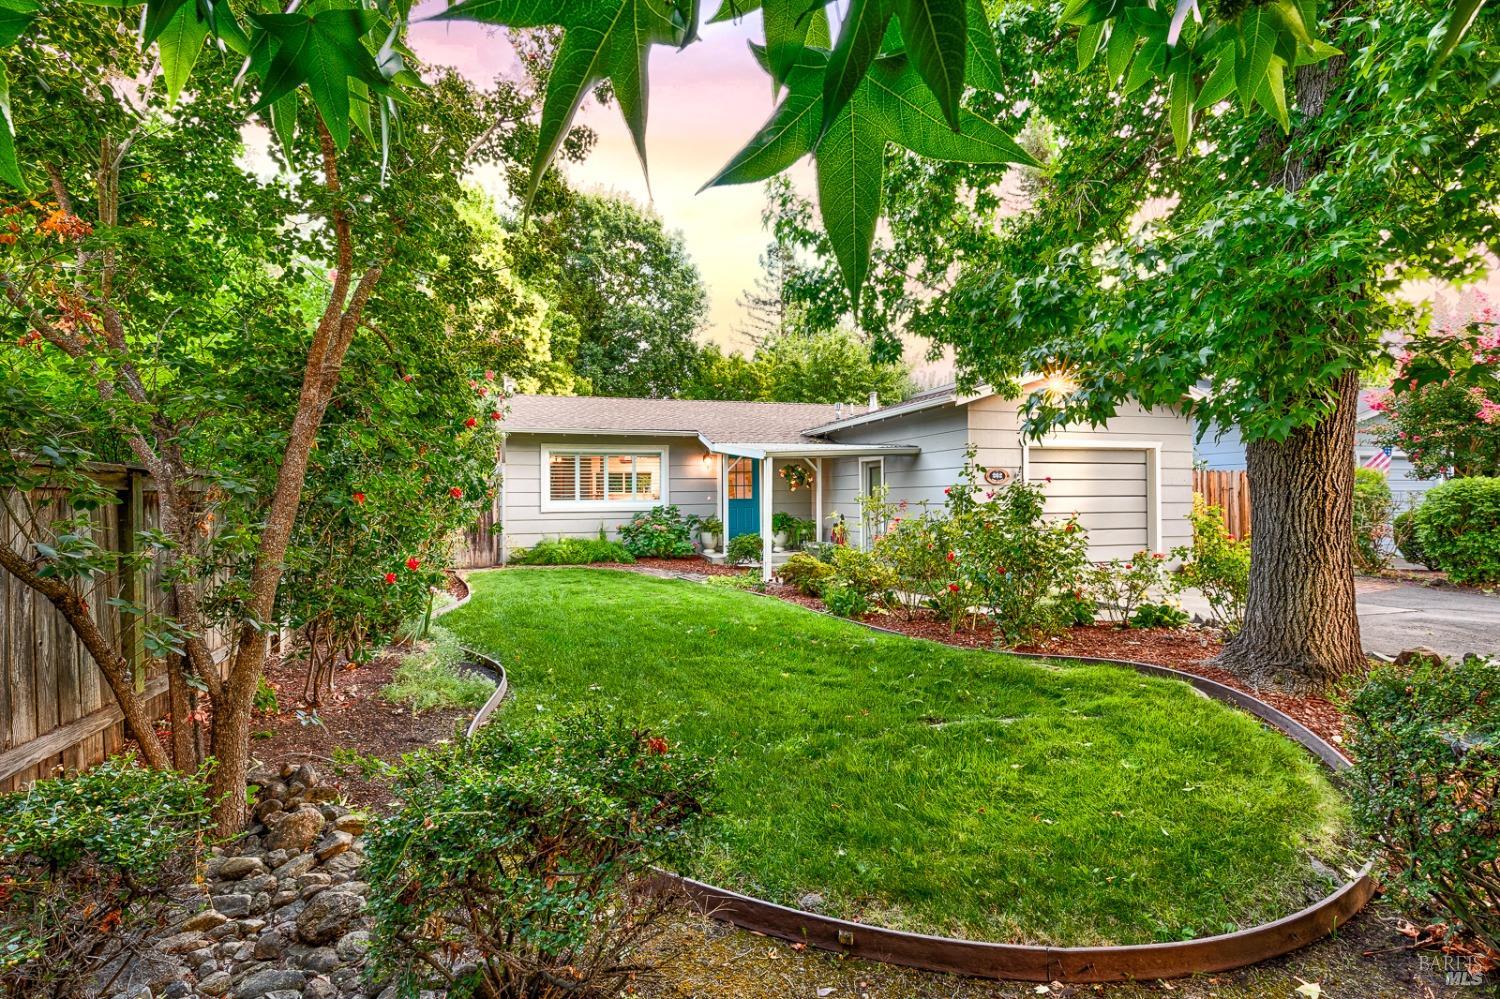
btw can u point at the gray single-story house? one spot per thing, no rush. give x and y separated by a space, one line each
1223 449
573 465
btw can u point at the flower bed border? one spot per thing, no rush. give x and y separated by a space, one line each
1076 965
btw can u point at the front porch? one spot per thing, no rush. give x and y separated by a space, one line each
759 481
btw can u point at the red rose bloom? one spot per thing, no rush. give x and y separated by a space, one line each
951 556
390 578
456 493
952 587
414 563
359 498
406 378
495 414
471 423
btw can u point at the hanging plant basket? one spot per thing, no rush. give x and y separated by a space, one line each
796 476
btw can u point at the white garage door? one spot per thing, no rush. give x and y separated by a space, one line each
1106 487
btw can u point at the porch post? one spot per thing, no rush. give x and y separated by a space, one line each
724 506
765 518
818 499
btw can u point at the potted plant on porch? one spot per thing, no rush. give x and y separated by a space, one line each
709 529
783 526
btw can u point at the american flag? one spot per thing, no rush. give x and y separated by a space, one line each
1380 461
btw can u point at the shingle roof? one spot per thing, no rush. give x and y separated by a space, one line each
744 422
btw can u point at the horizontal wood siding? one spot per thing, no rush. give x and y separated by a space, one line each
995 427
692 486
1106 489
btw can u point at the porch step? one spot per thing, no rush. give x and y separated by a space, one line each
777 558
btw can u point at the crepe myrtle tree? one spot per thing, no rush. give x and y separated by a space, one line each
202 329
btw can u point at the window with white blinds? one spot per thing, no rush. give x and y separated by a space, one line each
601 479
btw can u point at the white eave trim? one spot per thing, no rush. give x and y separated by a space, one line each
812 450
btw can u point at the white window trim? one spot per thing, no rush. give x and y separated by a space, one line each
550 505
1153 451
866 541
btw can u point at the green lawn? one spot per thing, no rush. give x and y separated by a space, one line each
921 786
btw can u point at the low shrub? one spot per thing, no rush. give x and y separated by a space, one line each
1216 565
739 581
845 601
806 574
1426 786
430 677
1372 520
520 863
861 572
920 551
89 864
661 532
1458 529
572 551
1120 587
1150 615
743 549
1404 534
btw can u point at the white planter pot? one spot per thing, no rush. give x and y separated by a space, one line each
709 540
778 541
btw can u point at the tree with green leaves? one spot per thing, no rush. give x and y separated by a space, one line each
172 309
813 366
625 301
1260 260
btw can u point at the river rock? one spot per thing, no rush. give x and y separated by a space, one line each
296 830
327 916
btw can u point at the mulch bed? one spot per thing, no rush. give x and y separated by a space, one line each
1186 649
696 566
355 718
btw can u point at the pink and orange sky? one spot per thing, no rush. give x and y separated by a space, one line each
706 101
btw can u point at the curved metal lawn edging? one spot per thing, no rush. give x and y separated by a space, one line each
1035 963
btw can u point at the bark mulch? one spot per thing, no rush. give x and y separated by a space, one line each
356 718
693 566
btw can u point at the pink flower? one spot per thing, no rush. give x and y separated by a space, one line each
406 378
489 376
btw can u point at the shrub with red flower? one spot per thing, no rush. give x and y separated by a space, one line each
1443 409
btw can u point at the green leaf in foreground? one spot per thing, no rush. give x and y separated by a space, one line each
10 170
892 104
602 40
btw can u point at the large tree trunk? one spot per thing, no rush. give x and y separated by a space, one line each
1301 633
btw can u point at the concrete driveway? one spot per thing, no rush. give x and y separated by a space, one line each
1394 616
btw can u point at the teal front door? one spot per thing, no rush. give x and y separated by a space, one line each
744 497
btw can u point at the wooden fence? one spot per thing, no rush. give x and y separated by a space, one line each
479 546
1230 492
55 707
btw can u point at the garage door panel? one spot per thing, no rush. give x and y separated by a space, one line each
1088 456
1078 473
1105 488
1097 504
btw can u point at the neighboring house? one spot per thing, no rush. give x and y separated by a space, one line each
1225 450
575 465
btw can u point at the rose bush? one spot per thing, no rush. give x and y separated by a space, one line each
661 532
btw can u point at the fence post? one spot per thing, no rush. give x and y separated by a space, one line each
133 626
